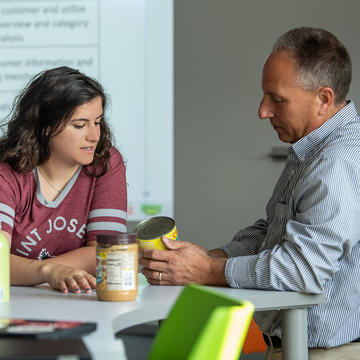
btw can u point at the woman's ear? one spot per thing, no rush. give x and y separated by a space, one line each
326 98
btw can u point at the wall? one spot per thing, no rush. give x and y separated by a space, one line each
223 175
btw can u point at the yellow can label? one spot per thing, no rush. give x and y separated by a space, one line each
173 234
157 242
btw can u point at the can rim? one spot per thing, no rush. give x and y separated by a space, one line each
155 227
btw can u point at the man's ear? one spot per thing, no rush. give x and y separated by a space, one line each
326 98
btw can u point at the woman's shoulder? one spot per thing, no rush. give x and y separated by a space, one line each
10 176
116 159
7 170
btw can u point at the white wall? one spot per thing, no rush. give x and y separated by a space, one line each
223 176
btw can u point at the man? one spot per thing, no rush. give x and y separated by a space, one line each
310 240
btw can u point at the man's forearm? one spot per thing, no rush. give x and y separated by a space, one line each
217 253
216 273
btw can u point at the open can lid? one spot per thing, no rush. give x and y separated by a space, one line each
154 227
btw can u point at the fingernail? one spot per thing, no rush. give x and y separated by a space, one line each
77 290
64 290
88 289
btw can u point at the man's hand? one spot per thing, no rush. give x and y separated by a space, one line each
183 263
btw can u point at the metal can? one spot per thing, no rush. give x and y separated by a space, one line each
150 231
116 267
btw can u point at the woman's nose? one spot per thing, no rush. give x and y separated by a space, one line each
93 133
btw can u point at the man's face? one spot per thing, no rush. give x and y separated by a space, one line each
291 109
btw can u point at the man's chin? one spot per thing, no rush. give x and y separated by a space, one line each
284 138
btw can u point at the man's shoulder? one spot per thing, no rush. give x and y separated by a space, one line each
345 141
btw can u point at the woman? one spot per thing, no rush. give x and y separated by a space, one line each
61 181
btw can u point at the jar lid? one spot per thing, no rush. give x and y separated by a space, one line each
116 238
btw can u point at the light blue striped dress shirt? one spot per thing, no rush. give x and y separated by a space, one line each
310 240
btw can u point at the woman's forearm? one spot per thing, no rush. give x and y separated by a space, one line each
32 272
82 258
26 271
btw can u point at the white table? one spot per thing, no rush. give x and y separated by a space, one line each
153 303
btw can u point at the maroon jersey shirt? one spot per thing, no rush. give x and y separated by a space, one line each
86 207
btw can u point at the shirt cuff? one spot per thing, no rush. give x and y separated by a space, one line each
237 272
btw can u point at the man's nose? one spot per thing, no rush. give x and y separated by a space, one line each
264 110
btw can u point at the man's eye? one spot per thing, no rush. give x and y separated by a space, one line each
277 100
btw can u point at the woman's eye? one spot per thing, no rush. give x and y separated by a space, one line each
78 126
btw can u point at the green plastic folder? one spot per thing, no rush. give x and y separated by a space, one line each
203 324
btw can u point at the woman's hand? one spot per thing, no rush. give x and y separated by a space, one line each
65 278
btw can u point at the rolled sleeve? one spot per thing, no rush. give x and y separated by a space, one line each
237 272
233 249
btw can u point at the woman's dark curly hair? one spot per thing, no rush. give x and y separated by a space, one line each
42 110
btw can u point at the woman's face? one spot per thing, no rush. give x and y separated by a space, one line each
76 143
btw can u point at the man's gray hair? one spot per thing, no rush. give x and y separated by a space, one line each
321 60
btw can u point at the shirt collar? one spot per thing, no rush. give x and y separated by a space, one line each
306 144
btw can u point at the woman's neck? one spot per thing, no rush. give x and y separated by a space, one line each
57 172
54 177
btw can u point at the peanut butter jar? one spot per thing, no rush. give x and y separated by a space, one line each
116 267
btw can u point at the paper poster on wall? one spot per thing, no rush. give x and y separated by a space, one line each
128 46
